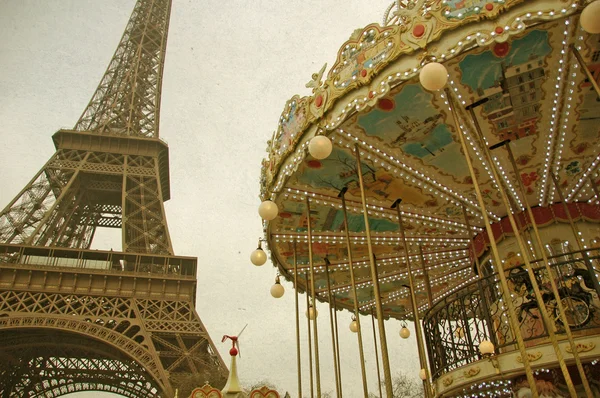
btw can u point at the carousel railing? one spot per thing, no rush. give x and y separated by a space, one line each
456 324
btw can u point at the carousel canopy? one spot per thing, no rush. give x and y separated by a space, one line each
513 74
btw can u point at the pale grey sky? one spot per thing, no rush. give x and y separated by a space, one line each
230 67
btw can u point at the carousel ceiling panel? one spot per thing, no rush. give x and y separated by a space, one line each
513 75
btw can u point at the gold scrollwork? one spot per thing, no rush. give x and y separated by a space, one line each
447 381
531 356
582 347
474 371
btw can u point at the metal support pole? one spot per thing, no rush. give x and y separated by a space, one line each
426 276
297 322
314 301
548 322
585 68
594 188
333 345
377 355
337 345
310 367
575 231
354 294
413 300
375 280
554 289
512 316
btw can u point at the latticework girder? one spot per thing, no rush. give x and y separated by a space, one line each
127 100
75 319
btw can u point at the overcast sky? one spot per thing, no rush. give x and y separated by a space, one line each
230 67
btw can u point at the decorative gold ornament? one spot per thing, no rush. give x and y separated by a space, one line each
582 347
531 356
447 381
471 372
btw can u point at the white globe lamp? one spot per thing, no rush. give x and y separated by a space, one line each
268 210
258 257
404 332
486 347
320 147
277 290
312 313
433 76
354 326
590 18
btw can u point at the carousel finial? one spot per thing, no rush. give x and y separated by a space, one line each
315 82
233 383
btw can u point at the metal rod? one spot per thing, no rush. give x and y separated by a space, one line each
512 316
548 322
297 322
354 295
413 300
486 312
594 187
585 68
337 344
376 354
375 278
312 392
576 233
468 224
426 276
314 301
333 345
554 289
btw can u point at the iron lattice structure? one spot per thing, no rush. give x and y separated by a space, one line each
75 319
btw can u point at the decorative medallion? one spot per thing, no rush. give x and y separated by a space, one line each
473 371
531 356
447 381
582 347
206 391
264 392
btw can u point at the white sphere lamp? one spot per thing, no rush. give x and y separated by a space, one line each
268 210
423 374
320 147
433 76
590 18
277 289
404 332
312 313
354 326
486 347
258 257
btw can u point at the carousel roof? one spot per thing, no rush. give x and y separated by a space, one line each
513 61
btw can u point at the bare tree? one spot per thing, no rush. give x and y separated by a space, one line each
404 387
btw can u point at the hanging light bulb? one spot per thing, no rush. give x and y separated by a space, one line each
354 325
268 210
590 18
277 289
258 256
320 147
433 76
404 332
486 347
312 313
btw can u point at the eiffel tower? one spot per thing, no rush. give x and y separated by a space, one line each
76 319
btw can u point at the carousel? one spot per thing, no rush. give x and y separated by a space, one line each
444 171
